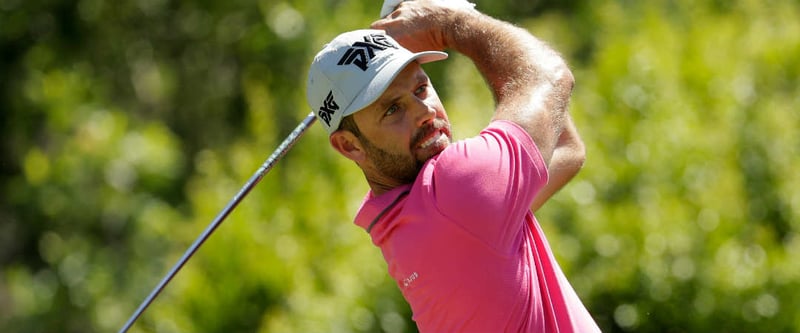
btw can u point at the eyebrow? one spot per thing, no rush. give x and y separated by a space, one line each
383 104
421 78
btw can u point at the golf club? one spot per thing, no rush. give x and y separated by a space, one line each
254 179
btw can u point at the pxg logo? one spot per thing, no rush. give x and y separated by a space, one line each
362 52
327 109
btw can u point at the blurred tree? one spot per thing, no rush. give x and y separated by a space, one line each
127 126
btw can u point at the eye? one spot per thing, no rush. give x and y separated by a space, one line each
421 90
392 109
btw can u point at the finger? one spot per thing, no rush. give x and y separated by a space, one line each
379 24
389 6
391 22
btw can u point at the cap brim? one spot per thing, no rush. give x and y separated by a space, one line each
384 78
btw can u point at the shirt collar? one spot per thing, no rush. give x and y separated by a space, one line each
373 206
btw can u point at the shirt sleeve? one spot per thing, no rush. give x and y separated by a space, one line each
486 184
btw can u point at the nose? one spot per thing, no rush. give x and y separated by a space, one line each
423 112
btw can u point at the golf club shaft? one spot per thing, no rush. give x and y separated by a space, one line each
254 179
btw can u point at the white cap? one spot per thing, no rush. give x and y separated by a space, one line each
353 70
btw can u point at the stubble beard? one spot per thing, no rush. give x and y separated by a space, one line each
396 166
404 168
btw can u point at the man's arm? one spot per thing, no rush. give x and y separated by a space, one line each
530 82
568 158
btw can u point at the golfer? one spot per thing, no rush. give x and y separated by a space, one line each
454 220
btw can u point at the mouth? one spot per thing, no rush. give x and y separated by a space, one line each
437 135
433 140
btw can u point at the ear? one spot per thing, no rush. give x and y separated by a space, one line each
347 144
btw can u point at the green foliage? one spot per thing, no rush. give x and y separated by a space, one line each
126 127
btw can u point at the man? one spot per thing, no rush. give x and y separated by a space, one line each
454 219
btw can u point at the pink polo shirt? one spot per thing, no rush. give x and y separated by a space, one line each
463 246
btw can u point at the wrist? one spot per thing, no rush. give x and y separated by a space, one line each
456 26
467 31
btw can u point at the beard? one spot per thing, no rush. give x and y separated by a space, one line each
404 168
401 167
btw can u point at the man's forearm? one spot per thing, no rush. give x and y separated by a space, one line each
510 58
531 83
518 66
567 161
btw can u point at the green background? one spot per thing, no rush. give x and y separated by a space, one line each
127 125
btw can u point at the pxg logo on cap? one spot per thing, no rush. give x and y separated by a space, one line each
362 52
359 54
353 70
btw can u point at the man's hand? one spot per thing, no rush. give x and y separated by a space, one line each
421 25
390 5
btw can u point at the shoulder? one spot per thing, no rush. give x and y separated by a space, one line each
502 144
485 184
502 162
508 132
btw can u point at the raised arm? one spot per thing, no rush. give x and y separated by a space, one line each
530 82
568 158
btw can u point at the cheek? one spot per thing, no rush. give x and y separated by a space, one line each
401 140
394 139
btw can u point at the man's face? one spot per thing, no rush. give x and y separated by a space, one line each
405 127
